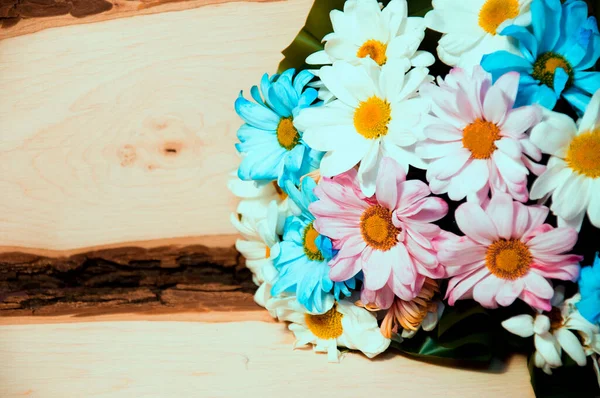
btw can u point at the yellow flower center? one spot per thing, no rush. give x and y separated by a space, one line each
545 67
372 116
508 259
267 252
494 12
325 326
310 246
377 228
375 49
583 155
287 135
479 138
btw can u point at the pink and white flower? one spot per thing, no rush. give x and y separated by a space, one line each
388 236
476 141
507 253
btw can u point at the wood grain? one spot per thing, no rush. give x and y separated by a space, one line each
237 359
123 130
19 17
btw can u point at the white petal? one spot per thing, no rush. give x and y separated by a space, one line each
569 342
521 325
548 347
541 324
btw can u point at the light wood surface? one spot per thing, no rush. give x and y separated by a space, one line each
237 359
123 130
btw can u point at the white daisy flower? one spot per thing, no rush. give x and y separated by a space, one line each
553 333
471 28
363 31
259 235
255 199
573 172
376 114
341 325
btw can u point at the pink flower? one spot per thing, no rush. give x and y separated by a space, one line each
388 236
476 141
508 253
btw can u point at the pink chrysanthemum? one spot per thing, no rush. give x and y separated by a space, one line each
476 141
507 253
388 236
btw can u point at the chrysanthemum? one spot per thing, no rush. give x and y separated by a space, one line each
341 324
259 235
589 288
553 332
387 236
556 55
407 317
272 147
507 253
573 172
365 31
302 256
471 28
375 115
476 141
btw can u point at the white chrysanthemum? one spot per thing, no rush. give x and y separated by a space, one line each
259 236
573 172
376 114
471 28
255 199
363 31
553 333
342 324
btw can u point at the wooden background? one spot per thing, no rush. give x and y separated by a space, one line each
116 139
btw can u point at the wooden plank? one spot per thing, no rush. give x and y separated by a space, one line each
237 359
19 17
123 130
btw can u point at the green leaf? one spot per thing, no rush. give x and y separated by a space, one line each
309 39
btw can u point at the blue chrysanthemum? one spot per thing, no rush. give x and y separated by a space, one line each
558 50
302 256
271 145
589 288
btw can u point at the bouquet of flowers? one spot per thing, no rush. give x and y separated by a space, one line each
444 207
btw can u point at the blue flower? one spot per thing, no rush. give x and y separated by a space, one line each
557 51
589 288
271 145
303 255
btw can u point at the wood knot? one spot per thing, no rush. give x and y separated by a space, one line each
171 148
127 155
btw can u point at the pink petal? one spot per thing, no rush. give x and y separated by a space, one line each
463 269
343 269
558 240
401 290
462 286
535 301
410 192
510 169
537 216
520 220
350 246
485 291
500 210
509 292
465 256
474 223
566 272
336 228
427 210
420 253
403 267
442 132
377 268
520 120
383 298
448 166
538 285
510 147
390 175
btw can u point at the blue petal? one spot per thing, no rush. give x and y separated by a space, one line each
265 85
561 77
501 62
307 285
574 16
593 48
536 94
577 99
325 246
256 95
257 166
294 162
302 80
588 82
545 20
307 98
589 307
293 230
282 97
256 115
527 43
247 132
